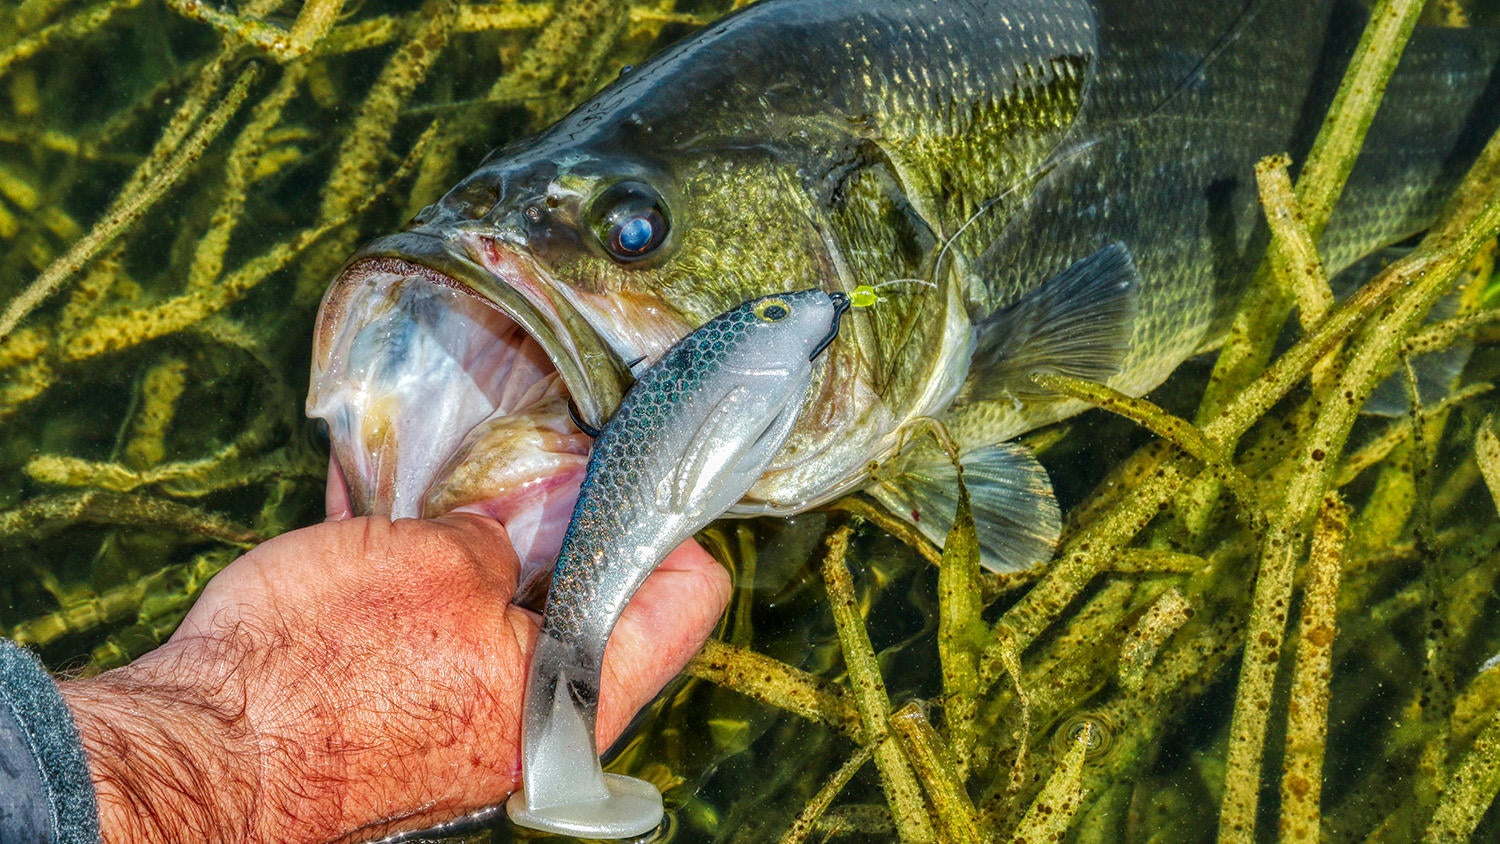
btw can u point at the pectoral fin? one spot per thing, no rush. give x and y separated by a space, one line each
1078 323
1015 513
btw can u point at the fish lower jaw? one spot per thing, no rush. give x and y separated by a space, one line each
437 401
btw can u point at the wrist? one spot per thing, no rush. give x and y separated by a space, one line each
169 763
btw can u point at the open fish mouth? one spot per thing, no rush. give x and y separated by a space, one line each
446 386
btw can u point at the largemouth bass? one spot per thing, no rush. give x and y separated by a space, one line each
1072 180
693 434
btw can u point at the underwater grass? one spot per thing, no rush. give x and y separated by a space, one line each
1275 617
165 235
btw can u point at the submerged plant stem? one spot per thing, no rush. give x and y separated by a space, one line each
42 515
129 207
1487 452
901 787
1471 790
1307 715
1052 811
777 684
934 765
807 820
1294 248
1162 619
899 528
960 629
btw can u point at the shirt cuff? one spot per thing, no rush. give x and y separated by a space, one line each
46 793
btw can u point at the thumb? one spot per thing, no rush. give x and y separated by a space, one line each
664 625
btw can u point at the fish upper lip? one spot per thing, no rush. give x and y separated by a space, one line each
595 377
840 307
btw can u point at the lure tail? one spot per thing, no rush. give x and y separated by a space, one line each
564 789
559 756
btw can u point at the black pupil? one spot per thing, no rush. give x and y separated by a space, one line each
633 224
774 312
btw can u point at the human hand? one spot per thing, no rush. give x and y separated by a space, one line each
356 678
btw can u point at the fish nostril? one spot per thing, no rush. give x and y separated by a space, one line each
472 201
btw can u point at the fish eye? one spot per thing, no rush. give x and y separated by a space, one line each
772 310
631 221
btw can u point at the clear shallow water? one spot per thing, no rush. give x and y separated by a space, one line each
153 428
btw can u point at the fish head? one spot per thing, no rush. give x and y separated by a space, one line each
634 249
546 273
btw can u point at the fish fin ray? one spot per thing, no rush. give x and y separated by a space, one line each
1016 516
1078 323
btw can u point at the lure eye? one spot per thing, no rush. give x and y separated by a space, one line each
772 310
631 221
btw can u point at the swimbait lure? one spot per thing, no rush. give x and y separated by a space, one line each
690 438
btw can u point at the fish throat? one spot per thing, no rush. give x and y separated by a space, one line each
439 400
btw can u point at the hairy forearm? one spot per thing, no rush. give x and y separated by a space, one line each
240 738
167 764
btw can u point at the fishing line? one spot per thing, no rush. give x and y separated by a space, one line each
1237 26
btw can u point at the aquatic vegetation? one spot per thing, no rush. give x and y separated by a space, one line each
176 189
1275 616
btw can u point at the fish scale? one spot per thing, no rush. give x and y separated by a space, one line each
980 150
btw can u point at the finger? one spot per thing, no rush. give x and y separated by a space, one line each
336 506
488 543
664 625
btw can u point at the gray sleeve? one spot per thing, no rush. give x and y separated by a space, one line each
46 794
